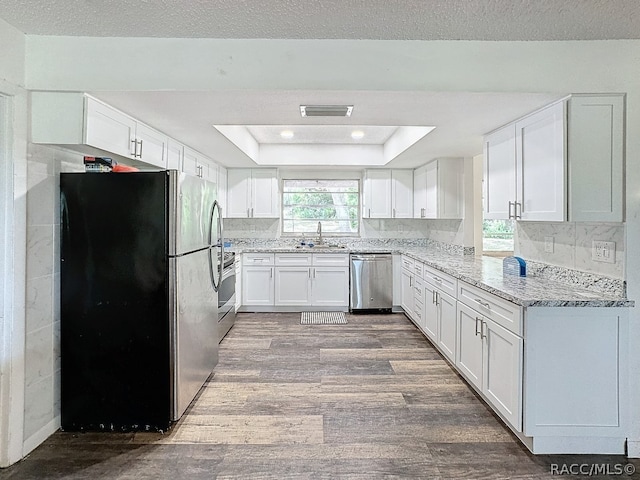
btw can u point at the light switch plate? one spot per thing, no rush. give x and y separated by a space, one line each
548 244
602 251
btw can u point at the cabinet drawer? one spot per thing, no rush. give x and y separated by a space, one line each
257 259
445 282
299 259
330 260
418 268
407 263
504 313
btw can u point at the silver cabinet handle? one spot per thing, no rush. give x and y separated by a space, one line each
514 210
140 154
251 212
134 154
369 216
482 330
394 213
309 273
478 320
434 297
314 273
437 279
247 213
423 212
271 273
410 281
516 214
484 304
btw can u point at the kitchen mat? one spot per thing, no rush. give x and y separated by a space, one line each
322 318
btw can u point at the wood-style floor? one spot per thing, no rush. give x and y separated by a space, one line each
370 399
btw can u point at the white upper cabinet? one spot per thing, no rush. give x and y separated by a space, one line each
222 189
196 164
540 165
499 173
388 194
84 124
252 193
561 163
438 189
402 193
174 155
596 158
377 194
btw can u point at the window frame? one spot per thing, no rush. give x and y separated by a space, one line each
358 182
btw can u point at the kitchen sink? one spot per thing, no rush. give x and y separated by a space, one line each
320 247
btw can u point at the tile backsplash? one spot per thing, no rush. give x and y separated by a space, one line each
571 245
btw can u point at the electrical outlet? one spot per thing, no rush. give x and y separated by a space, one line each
603 251
548 244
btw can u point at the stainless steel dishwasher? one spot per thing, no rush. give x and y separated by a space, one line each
371 282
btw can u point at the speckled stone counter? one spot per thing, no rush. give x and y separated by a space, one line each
486 274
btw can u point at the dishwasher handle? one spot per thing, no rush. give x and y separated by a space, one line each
371 257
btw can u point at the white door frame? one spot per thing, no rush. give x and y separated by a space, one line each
12 314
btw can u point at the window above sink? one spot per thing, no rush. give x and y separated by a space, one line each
335 203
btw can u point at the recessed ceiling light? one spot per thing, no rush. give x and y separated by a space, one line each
286 134
326 110
357 134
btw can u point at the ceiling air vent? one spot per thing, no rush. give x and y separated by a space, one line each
326 110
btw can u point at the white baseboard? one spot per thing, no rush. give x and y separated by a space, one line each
633 448
31 443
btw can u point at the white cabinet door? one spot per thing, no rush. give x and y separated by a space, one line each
293 286
151 146
469 349
419 192
330 287
264 194
596 158
190 162
450 188
222 189
540 159
430 312
174 155
109 129
257 286
502 383
402 193
431 190
499 184
407 292
446 306
377 194
238 192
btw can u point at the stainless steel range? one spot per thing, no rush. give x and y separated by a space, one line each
227 295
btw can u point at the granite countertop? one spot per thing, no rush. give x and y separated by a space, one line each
486 274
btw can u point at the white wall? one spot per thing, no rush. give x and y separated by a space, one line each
13 182
547 67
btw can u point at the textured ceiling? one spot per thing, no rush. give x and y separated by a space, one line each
330 19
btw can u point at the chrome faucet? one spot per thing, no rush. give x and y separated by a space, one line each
319 232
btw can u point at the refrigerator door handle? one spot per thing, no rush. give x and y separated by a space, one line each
216 277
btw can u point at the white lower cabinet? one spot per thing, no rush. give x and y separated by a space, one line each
446 317
407 291
330 287
296 280
257 285
293 286
490 357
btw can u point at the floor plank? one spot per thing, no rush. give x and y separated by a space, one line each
369 399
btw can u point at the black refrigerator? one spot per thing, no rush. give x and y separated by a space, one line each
140 270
